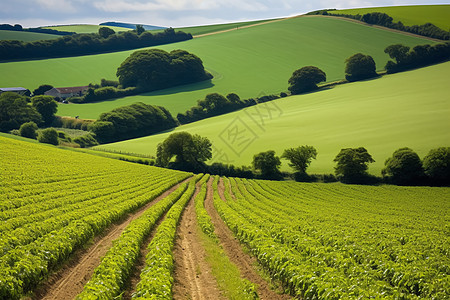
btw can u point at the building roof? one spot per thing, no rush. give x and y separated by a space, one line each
13 89
68 90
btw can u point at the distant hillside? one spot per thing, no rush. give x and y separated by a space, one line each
83 28
438 15
131 26
408 109
25 36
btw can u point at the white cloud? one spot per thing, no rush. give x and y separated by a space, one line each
57 5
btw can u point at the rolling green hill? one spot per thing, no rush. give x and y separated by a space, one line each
250 62
84 28
25 36
410 15
409 109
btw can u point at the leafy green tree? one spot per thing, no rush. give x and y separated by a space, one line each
28 130
404 167
437 165
398 52
42 89
14 111
306 79
300 158
268 164
154 69
105 32
186 148
140 29
48 136
352 164
46 106
359 67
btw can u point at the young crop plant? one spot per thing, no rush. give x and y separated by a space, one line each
116 266
156 277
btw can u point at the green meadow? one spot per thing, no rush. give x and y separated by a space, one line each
198 30
250 62
25 36
410 15
409 109
83 28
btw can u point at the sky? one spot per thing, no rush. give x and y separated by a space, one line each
169 13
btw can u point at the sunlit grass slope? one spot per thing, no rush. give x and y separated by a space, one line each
84 28
250 62
25 36
410 15
409 109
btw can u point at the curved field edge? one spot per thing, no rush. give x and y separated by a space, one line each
409 15
407 109
251 62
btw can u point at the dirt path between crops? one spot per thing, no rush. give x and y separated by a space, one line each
233 250
193 277
69 281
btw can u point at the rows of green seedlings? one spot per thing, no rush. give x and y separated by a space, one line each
26 230
30 249
157 276
109 277
332 242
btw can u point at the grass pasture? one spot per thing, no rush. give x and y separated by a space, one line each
25 36
409 15
250 62
409 109
84 28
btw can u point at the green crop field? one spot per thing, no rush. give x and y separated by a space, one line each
321 241
84 28
25 36
410 15
198 30
326 241
250 62
409 109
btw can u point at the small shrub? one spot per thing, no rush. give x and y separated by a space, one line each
87 140
48 136
28 130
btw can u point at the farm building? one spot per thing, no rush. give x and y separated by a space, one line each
18 90
67 92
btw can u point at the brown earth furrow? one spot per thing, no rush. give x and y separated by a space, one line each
233 250
68 282
193 277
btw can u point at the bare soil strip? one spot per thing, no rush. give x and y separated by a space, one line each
234 251
193 277
68 282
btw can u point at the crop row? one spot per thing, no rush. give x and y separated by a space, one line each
316 257
156 277
109 277
25 266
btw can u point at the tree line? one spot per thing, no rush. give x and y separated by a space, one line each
383 19
18 27
106 40
187 152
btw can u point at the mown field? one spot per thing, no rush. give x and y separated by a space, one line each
25 36
410 15
321 241
84 28
250 62
409 109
